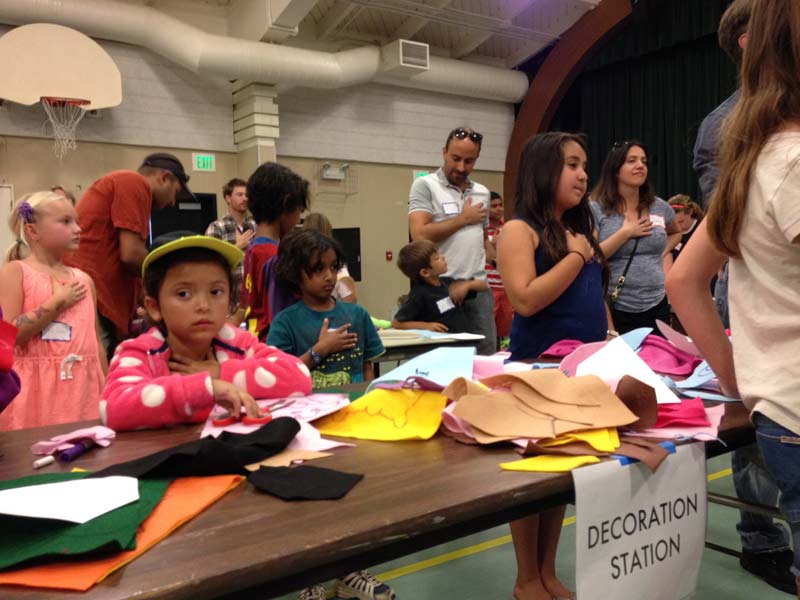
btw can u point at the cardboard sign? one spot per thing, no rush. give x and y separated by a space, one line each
641 534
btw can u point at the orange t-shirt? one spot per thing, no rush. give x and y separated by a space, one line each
118 200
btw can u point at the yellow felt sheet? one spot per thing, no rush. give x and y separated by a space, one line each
549 463
387 415
602 440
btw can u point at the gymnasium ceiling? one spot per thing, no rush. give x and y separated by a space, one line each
501 33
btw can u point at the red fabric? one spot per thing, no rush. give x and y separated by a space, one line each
141 392
691 412
8 337
118 200
503 312
562 348
254 290
663 357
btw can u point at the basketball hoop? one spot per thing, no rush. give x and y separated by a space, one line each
36 68
63 116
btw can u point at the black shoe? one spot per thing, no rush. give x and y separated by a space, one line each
772 567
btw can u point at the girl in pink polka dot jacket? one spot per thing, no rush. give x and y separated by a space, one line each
192 359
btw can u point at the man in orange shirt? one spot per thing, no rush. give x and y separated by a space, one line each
114 214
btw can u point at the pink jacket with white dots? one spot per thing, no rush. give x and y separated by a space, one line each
141 392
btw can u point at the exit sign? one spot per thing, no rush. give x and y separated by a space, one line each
418 174
203 162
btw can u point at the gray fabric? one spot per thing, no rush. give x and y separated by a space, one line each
464 250
644 282
480 314
705 147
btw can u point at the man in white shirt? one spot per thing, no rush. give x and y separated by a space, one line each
451 210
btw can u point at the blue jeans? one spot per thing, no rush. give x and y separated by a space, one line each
755 484
480 312
780 449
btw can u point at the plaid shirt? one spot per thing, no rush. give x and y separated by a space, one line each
226 229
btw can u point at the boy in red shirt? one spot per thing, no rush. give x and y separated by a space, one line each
276 197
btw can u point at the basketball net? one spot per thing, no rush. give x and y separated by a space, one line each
63 116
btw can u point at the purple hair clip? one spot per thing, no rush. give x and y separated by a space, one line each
25 212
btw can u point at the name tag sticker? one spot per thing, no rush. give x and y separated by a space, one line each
445 304
450 208
658 221
57 332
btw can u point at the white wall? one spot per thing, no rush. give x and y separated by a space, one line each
163 105
387 124
167 106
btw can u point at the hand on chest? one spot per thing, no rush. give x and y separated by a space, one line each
658 221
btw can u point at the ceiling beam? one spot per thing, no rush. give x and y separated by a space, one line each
472 41
413 25
453 17
531 47
340 12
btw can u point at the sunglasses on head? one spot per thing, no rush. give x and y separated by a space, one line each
622 144
462 133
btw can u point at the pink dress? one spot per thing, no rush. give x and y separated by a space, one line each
61 380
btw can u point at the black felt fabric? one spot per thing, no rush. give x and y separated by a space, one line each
224 455
304 482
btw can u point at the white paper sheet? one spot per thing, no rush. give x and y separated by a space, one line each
302 408
615 360
74 501
457 336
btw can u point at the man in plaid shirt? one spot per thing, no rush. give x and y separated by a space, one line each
235 228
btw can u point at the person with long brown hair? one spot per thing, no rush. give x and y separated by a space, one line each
636 230
554 273
754 221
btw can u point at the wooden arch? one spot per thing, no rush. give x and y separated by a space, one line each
557 73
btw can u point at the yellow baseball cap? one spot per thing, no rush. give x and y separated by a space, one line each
179 240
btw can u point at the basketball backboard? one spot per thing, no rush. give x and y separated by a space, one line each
65 70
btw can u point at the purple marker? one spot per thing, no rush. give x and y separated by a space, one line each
77 450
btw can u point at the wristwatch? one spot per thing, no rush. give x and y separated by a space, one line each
316 357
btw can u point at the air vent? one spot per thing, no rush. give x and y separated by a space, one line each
404 57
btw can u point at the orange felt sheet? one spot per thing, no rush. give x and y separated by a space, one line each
185 499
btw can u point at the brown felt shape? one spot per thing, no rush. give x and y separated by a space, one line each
500 414
461 387
640 398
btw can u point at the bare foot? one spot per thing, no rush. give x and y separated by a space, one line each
556 589
531 590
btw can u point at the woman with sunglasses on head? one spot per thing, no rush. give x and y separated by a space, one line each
635 230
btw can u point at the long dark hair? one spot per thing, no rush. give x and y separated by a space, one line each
540 167
606 192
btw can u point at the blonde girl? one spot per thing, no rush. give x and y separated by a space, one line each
57 351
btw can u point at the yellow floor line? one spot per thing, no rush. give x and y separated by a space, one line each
482 547
720 474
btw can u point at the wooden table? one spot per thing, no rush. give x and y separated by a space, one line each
250 545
